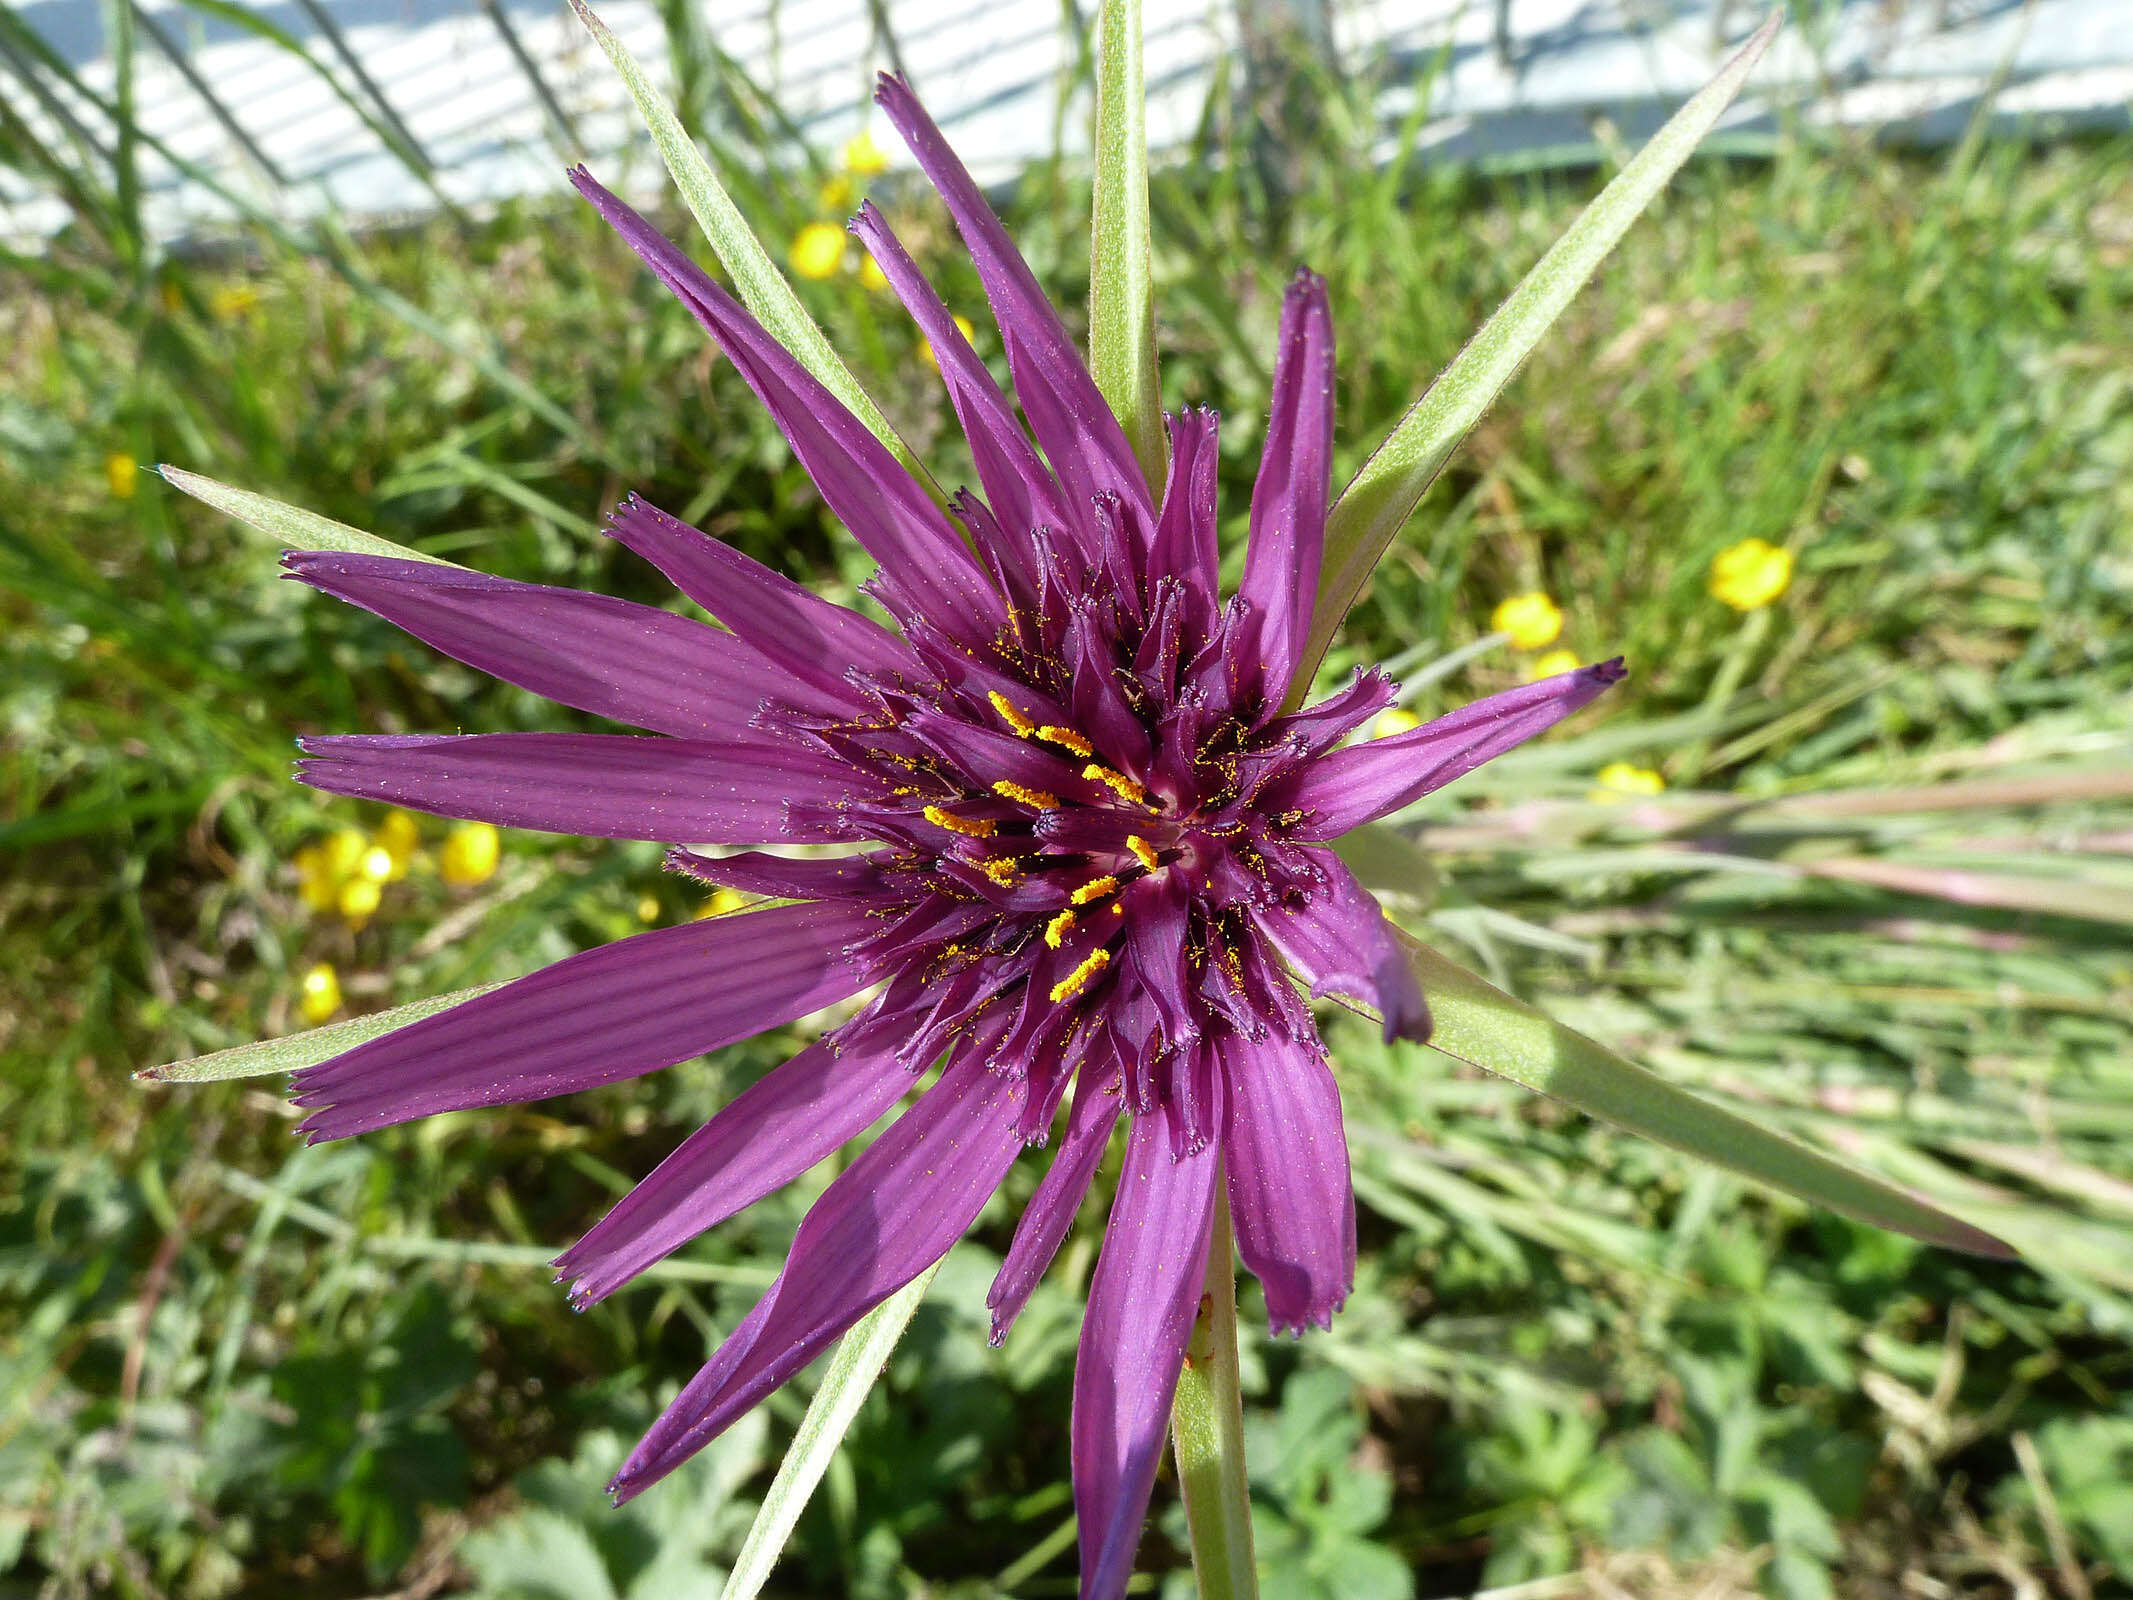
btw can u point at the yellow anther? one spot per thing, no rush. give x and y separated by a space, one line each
1057 929
1118 783
1001 869
1143 851
1077 980
974 827
1011 715
1094 889
1065 738
1023 795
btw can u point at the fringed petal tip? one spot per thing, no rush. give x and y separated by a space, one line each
1611 671
1296 1325
1406 1020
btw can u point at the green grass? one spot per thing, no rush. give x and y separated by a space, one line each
233 1367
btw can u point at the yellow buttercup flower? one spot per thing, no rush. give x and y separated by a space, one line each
818 250
232 301
470 853
399 836
319 994
723 901
1532 620
1621 778
359 897
863 158
925 347
1552 665
1397 720
315 881
123 473
871 277
648 908
837 194
343 851
1749 575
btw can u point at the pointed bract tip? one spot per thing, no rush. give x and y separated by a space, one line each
1613 670
149 1075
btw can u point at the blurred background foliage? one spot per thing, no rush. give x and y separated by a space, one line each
1870 878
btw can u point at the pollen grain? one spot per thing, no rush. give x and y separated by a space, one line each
1117 782
1079 979
1021 794
1011 715
1066 739
973 827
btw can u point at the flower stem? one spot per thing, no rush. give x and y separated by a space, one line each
1207 1431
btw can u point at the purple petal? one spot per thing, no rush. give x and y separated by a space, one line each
1289 1196
1322 726
893 1213
605 786
1066 411
925 566
1142 1302
784 877
774 1131
1288 526
1339 941
1020 492
1158 932
800 634
603 1015
1186 545
1052 1208
1350 787
633 663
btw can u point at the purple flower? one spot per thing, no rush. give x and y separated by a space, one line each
1085 849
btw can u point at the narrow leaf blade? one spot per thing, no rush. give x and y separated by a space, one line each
762 287
853 1371
295 1051
289 526
1121 274
1481 1025
1372 508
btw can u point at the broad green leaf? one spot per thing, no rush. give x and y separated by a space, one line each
1121 278
763 288
287 525
1392 482
853 1370
298 1050
1486 1028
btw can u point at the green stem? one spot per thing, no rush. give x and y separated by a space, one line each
1207 1430
1747 640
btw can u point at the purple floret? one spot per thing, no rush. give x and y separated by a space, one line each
1083 851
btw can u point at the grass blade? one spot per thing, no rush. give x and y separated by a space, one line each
1392 482
1481 1025
761 285
853 1371
289 526
294 1051
1121 275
